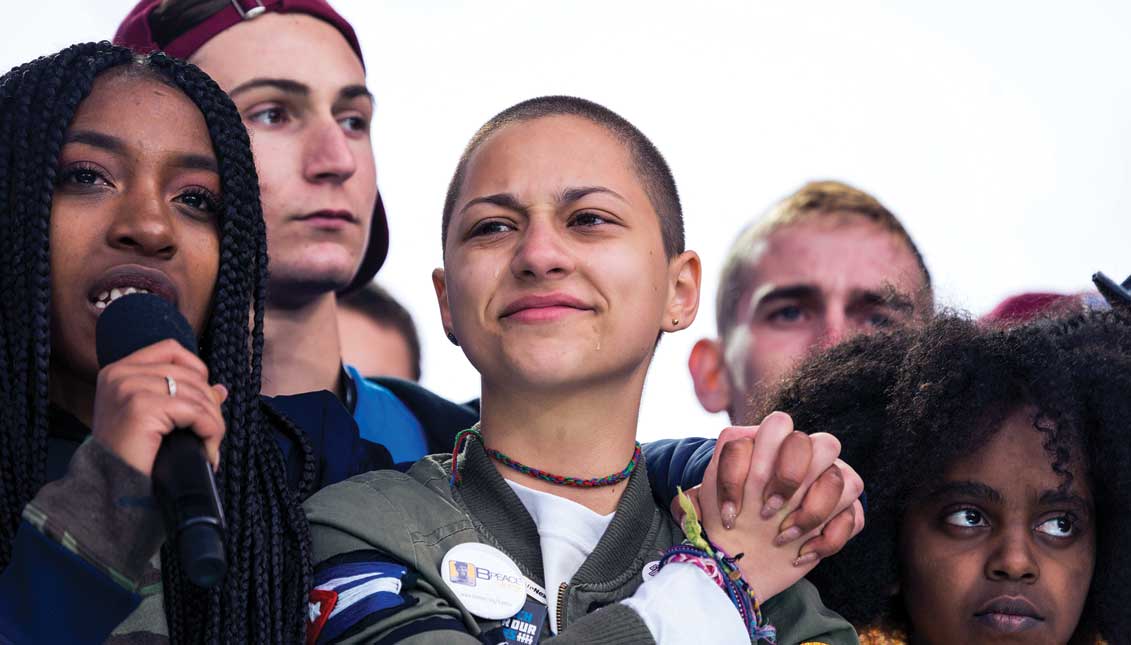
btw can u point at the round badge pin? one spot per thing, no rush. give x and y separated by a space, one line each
650 570
485 580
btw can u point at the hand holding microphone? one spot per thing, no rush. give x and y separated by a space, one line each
155 409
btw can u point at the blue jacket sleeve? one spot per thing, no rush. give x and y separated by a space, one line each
49 594
676 462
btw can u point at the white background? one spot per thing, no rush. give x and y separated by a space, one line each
1000 132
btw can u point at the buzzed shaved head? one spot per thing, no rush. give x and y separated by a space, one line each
650 166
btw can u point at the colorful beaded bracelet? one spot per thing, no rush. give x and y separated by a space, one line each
722 569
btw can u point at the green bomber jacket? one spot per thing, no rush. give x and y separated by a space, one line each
415 518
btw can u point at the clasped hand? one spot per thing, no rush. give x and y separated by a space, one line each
780 498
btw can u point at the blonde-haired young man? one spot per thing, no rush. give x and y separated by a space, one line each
827 262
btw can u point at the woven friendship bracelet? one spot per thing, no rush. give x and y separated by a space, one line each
725 574
723 569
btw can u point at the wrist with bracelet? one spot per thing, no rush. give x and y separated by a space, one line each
697 551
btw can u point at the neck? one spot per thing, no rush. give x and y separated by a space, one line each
301 350
585 434
72 393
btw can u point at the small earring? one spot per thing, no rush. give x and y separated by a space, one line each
453 339
675 322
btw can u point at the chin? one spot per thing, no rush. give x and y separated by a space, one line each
313 273
564 369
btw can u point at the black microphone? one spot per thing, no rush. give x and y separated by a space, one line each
182 477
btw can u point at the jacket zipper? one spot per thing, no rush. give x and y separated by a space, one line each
561 605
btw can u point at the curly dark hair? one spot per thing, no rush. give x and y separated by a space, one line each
909 404
262 597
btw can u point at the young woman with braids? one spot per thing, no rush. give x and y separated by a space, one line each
119 173
997 469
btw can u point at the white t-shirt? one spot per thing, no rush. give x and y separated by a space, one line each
680 604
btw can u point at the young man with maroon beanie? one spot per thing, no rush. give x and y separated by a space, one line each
295 71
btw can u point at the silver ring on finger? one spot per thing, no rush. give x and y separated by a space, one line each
172 385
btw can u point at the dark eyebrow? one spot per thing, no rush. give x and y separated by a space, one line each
510 202
282 84
504 200
888 297
571 195
967 489
354 91
96 139
117 146
1059 497
196 162
789 292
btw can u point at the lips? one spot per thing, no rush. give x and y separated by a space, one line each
125 279
329 216
1009 614
543 307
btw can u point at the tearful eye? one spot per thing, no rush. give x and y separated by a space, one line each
490 227
1058 527
966 518
588 219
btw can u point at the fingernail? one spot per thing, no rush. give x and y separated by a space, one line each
223 391
805 558
730 514
773 505
788 535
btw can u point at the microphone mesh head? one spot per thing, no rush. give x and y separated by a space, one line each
139 320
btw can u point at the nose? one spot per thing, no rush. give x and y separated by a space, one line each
1012 559
835 328
144 225
327 156
542 252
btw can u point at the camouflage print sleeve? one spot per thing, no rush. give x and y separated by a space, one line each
83 561
103 511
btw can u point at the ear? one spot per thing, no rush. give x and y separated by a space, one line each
684 272
708 372
440 284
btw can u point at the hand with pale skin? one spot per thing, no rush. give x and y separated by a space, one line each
809 501
133 409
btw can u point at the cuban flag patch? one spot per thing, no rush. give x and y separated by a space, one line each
349 594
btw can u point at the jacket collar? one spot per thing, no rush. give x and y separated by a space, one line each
493 504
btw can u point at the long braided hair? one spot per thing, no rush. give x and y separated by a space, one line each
262 598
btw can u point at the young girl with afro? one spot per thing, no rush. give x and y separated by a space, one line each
996 464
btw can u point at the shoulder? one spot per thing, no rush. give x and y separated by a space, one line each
377 541
801 617
329 430
440 418
377 401
380 491
385 510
